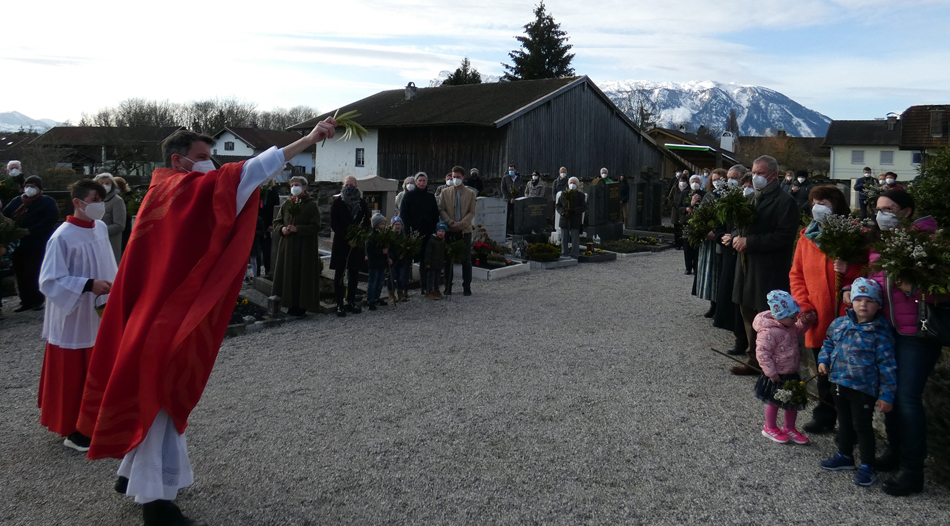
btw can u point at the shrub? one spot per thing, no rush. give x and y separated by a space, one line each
937 403
60 178
543 252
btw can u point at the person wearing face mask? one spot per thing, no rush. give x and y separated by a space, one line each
890 182
766 247
571 205
475 182
168 312
407 186
298 268
115 217
709 260
680 185
727 314
624 199
346 258
420 213
76 276
512 187
604 176
800 189
813 285
690 198
916 358
457 211
15 170
39 214
535 186
859 185
441 187
558 186
788 182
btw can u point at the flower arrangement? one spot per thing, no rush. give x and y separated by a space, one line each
842 237
873 190
792 392
407 245
455 251
383 238
735 208
293 207
702 220
592 251
916 256
486 252
646 240
543 252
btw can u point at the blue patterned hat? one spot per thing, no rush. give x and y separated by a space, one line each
441 226
396 219
782 304
866 288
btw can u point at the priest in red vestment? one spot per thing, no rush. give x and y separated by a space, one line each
168 311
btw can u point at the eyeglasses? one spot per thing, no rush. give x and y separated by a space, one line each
890 209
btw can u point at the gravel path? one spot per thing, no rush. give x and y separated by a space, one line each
584 395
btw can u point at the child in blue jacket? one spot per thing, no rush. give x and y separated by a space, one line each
858 354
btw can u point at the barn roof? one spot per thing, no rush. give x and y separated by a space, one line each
488 104
863 133
925 127
259 139
103 135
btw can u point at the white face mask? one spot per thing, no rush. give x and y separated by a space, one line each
788 179
733 183
410 187
534 178
30 191
683 185
15 172
108 187
457 181
820 213
801 179
563 175
759 182
296 190
95 211
889 180
886 220
603 176
719 183
748 191
201 166
572 186
694 186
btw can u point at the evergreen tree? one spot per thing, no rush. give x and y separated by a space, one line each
732 125
465 74
544 51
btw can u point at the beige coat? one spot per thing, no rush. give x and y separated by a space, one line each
448 202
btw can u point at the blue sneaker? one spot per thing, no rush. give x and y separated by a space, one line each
866 476
838 462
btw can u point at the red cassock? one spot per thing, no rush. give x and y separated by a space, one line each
169 307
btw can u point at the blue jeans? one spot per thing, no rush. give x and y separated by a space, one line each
907 424
398 277
375 284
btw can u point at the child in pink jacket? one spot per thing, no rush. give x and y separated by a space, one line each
777 331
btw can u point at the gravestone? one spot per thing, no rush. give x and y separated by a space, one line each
379 193
613 202
492 214
596 203
530 215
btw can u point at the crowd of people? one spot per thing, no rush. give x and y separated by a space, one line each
769 282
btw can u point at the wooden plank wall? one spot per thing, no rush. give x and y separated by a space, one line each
435 150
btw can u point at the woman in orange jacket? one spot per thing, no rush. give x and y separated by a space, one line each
812 281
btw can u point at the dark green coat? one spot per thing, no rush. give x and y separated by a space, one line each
298 268
435 253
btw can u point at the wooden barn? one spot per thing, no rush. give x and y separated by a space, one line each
533 124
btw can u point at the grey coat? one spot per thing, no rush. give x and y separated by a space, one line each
770 246
115 220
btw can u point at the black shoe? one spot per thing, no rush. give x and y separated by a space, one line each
735 351
887 462
712 310
297 312
448 292
354 309
77 441
817 427
41 306
341 311
22 308
165 513
380 302
121 485
904 484
688 273
372 306
467 292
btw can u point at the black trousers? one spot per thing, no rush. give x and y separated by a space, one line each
353 279
824 413
466 262
855 417
26 266
690 256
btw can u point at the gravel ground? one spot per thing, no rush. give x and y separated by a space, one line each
584 395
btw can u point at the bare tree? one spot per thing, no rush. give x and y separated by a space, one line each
638 104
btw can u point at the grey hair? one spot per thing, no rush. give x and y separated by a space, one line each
769 161
300 179
106 175
576 181
738 168
604 170
408 180
12 163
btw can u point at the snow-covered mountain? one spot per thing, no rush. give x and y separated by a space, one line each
14 121
759 110
444 74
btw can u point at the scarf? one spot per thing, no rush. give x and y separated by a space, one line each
25 202
351 196
813 230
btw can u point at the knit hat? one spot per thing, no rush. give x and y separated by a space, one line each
441 226
782 304
377 220
866 288
34 180
473 171
396 219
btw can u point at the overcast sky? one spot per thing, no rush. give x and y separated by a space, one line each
848 59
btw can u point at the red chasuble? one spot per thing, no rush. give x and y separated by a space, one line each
169 307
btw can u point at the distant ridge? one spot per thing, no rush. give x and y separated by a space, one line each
14 121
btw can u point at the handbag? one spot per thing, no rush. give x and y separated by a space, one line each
933 321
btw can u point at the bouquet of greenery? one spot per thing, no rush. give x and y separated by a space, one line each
842 237
10 232
133 202
293 207
873 190
930 189
455 251
357 234
9 189
792 392
383 238
916 256
407 245
734 207
702 220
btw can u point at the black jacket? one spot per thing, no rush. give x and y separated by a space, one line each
420 212
40 218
